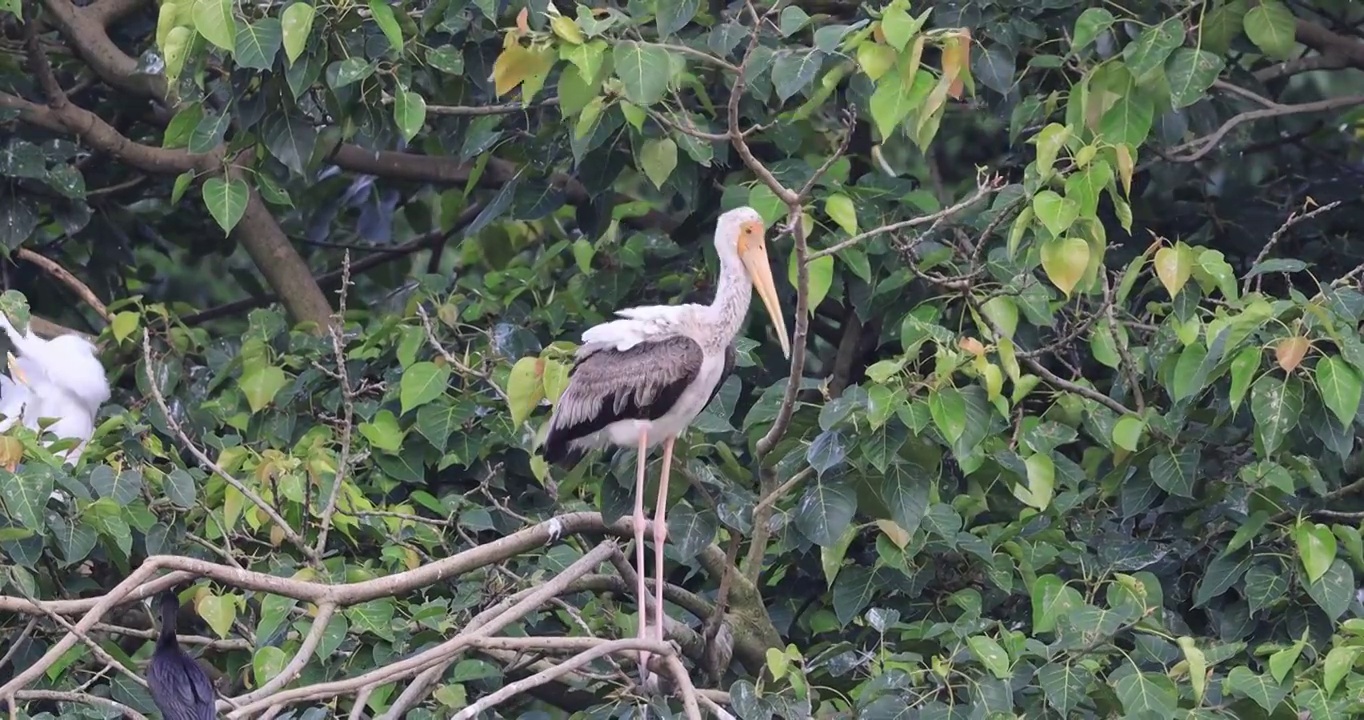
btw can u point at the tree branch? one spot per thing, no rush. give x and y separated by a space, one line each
61 274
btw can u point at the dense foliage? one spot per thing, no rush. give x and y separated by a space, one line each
1068 430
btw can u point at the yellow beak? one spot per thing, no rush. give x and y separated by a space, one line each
754 256
14 370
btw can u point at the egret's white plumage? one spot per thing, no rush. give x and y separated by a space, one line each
59 380
641 379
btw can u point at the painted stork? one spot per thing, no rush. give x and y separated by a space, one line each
59 379
641 380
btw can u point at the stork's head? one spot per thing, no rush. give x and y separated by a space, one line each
740 234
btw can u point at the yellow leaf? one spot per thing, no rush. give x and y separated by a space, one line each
565 28
515 65
1064 261
525 388
956 61
1126 165
1174 266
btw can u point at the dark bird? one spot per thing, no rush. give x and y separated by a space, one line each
180 688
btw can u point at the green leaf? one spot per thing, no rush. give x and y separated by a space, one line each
1041 481
644 71
1052 599
296 25
124 324
875 59
1055 212
1339 662
841 210
1065 685
1091 22
268 662
25 495
1284 660
524 389
1272 27
1243 368
898 26
990 654
1316 548
1153 46
1219 576
1276 405
658 159
893 100
1175 474
672 16
1260 688
260 384
1064 261
1127 432
382 14
219 612
225 200
948 408
383 432
449 60
1340 388
1144 693
421 383
348 71
820 280
215 21
258 43
826 509
831 557
1128 121
1049 142
792 70
123 488
1333 590
1190 73
409 112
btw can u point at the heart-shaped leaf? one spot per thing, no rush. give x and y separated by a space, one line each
1174 266
1316 547
1064 261
1290 351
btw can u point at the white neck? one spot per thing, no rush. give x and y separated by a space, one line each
732 296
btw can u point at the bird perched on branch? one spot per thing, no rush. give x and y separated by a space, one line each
641 380
58 380
180 688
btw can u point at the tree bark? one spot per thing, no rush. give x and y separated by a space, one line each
284 269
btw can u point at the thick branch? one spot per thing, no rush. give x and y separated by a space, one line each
277 259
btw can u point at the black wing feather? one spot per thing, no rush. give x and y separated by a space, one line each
604 387
730 356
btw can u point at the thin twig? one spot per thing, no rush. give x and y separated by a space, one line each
1293 219
208 462
983 190
300 659
348 411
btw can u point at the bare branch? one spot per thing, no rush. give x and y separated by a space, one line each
300 659
61 274
347 409
602 649
1199 148
1293 219
983 190
76 697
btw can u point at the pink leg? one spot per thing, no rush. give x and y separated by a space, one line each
641 593
661 536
